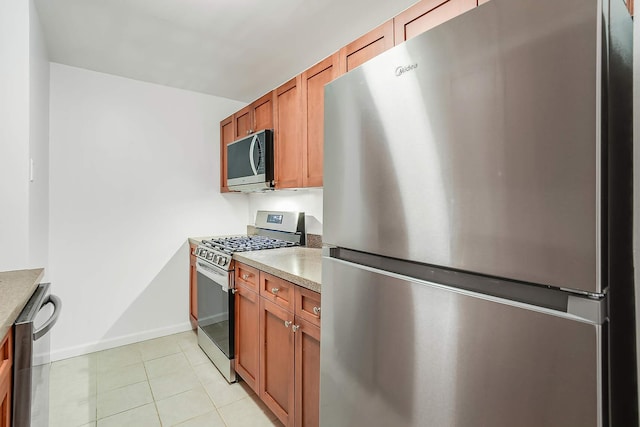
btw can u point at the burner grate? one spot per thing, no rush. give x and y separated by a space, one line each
246 243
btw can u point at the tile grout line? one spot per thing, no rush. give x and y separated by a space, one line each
153 396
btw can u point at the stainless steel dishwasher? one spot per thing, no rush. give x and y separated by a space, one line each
32 360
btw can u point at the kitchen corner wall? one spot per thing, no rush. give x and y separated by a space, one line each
134 171
38 145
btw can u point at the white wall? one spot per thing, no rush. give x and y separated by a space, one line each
308 201
133 172
38 145
24 133
14 134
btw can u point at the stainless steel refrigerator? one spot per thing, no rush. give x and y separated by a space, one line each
478 224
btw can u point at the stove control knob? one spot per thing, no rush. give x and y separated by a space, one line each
216 258
223 261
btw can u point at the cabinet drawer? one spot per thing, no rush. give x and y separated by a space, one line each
277 290
308 305
6 355
247 276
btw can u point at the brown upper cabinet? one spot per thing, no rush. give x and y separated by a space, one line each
366 47
287 141
427 14
313 81
254 117
227 136
295 110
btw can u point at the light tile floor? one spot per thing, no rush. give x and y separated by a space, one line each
167 381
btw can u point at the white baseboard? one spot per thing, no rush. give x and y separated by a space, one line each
106 344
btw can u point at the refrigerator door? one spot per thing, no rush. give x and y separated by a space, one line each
475 146
403 352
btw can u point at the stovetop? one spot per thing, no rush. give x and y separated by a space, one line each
219 251
246 243
276 229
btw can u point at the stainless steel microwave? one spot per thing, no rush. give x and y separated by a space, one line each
250 162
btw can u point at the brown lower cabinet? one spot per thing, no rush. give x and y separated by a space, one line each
307 374
277 357
277 344
193 287
247 335
6 363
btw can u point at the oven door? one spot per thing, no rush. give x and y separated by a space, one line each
215 314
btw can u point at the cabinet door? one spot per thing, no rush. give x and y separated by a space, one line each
276 360
307 361
313 81
242 121
6 362
366 47
5 402
193 288
288 140
227 136
247 336
427 14
262 110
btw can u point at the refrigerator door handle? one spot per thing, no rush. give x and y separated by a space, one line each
594 310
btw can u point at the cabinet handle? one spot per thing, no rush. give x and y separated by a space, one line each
295 328
245 276
287 323
274 290
233 291
248 131
316 311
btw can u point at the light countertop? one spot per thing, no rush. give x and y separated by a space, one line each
16 287
299 265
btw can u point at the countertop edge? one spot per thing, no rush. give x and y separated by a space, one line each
8 318
293 278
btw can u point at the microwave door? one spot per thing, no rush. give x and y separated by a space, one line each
250 162
242 167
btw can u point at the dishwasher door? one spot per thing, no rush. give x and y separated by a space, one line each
32 359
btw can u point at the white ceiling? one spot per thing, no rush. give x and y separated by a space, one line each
238 49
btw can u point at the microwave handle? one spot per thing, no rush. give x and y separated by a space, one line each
251 148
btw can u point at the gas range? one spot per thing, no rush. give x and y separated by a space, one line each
274 229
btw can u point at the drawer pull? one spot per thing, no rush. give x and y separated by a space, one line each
295 328
245 276
274 290
316 311
287 323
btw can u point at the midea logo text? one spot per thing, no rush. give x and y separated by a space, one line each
403 69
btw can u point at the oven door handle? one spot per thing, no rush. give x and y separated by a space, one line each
220 278
57 306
